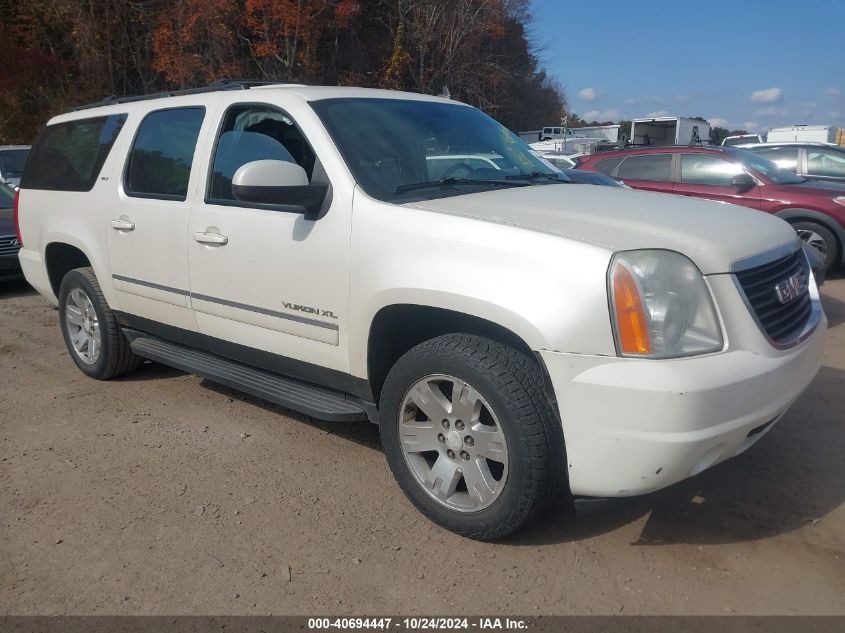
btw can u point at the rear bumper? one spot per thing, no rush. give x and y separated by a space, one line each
634 426
35 271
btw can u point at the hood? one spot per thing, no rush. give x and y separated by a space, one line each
830 189
7 222
712 234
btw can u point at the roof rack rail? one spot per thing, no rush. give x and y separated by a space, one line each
223 84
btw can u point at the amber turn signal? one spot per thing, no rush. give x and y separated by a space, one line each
631 320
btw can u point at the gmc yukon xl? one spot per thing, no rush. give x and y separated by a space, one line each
514 334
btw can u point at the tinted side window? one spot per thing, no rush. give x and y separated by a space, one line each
821 162
162 153
704 169
608 165
647 167
252 133
783 157
69 156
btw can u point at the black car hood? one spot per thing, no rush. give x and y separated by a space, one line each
7 222
821 187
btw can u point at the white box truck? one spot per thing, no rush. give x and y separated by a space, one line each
805 134
669 130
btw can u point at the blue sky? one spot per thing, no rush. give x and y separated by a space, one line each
751 64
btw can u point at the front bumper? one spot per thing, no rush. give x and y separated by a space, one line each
633 426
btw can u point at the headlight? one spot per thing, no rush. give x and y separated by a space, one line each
661 307
840 200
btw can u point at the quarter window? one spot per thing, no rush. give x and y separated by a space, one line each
646 167
704 169
825 163
163 152
608 165
69 156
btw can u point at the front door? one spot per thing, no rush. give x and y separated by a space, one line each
272 281
652 172
148 230
709 176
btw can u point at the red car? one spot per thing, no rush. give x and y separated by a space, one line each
728 174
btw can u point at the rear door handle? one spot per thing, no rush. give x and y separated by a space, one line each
123 225
212 239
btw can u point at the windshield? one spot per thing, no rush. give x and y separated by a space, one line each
765 167
12 162
401 149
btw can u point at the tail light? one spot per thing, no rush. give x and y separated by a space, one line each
16 212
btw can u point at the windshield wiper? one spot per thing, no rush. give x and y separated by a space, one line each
537 175
448 182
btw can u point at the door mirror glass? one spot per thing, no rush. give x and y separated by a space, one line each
279 183
743 182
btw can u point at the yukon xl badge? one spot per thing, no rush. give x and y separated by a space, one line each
309 310
790 288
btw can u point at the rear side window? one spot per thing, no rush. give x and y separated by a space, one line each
162 154
69 156
646 167
822 162
607 166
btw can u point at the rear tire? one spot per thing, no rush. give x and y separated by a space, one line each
511 467
92 334
821 239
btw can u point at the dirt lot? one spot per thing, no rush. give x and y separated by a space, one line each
163 494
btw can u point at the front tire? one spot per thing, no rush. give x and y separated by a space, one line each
470 436
92 334
820 238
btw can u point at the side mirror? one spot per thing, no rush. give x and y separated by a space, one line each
279 183
743 182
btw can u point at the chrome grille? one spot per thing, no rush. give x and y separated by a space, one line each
782 322
9 245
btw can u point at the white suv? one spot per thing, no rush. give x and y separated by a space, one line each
510 331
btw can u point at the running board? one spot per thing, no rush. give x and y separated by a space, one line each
290 393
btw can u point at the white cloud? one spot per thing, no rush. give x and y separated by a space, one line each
659 113
832 92
601 115
771 111
716 121
589 94
751 126
769 95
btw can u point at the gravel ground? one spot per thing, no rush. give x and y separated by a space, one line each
161 493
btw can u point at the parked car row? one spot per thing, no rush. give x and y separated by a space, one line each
815 209
9 246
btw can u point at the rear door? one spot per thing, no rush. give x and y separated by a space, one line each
825 164
708 176
652 172
148 226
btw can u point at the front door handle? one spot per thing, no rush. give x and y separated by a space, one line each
123 225
212 239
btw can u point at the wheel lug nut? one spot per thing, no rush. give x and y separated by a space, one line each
445 424
465 455
459 425
468 440
441 438
451 454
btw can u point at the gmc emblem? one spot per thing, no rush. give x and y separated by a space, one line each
790 288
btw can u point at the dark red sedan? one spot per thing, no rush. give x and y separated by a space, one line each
727 174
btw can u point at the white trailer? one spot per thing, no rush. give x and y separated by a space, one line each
669 130
804 134
607 132
530 136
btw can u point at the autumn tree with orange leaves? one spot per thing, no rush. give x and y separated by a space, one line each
63 52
